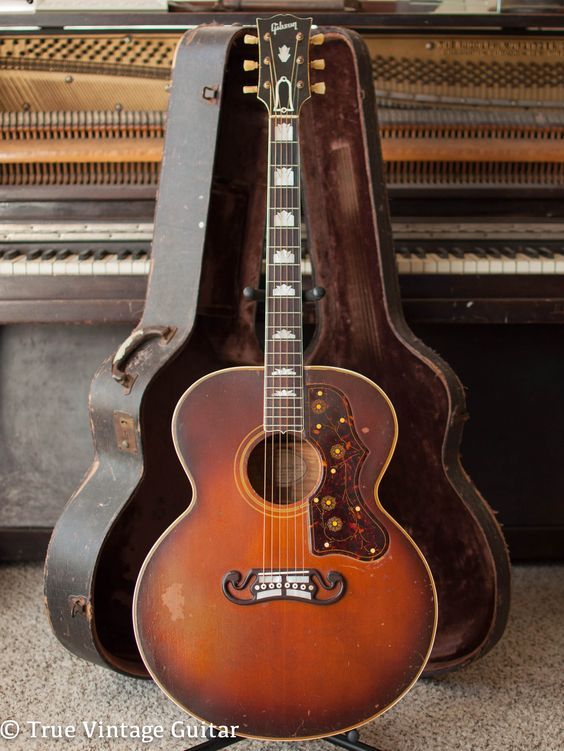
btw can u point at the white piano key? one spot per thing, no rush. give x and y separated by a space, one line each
98 267
33 267
548 266
535 266
430 263
522 264
86 267
559 265
404 265
140 266
59 267
112 265
19 266
457 266
482 264
417 265
496 266
6 268
509 266
470 263
46 267
72 267
125 266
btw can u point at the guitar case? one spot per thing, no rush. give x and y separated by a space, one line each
207 247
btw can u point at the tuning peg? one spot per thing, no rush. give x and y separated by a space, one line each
250 89
250 65
250 39
318 88
318 64
317 39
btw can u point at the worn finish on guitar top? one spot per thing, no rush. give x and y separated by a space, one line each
278 669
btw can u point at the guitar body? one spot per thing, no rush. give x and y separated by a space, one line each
298 616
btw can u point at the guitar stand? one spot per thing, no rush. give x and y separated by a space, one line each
350 741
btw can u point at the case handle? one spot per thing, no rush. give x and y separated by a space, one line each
131 345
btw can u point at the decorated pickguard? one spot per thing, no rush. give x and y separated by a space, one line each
340 520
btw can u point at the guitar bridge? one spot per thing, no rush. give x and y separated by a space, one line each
302 585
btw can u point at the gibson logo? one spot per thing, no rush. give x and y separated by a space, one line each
278 26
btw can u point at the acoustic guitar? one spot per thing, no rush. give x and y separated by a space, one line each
285 600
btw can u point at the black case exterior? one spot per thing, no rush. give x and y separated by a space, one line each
207 248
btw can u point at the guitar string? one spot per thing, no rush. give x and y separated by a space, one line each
293 149
270 345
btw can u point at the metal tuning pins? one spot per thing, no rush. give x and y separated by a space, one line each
250 39
318 88
250 65
317 39
317 64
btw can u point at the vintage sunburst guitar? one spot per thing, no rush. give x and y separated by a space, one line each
285 601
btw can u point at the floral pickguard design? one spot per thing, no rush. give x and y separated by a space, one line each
340 520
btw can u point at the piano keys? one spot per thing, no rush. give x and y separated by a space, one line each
448 271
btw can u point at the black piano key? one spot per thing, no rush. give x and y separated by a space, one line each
508 252
418 252
62 254
9 255
138 254
123 254
100 254
494 252
84 255
443 253
46 255
545 252
403 251
480 252
33 254
457 252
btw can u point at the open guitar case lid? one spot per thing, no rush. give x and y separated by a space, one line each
208 244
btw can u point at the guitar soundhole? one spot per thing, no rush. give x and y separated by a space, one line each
284 469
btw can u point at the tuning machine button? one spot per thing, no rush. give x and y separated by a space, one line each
250 89
251 39
250 65
318 88
317 39
318 64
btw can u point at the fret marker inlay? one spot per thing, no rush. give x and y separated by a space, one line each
284 392
283 256
283 334
284 219
284 290
284 132
283 372
284 176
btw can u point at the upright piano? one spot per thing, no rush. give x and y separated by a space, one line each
471 117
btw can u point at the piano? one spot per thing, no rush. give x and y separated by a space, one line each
472 129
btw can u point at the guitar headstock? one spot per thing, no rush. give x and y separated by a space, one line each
284 63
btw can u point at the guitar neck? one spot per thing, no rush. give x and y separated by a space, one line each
283 382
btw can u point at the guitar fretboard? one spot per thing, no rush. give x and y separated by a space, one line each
283 383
